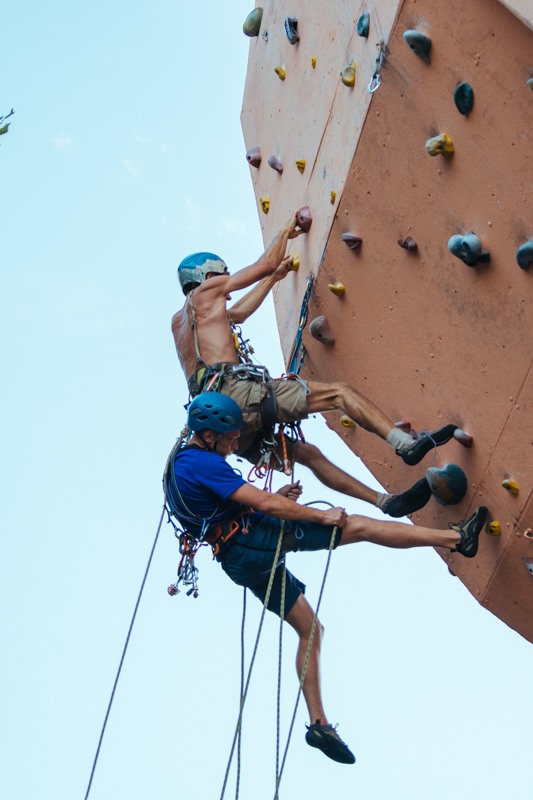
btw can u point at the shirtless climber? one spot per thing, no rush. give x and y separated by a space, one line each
204 341
213 502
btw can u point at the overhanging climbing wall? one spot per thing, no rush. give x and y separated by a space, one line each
425 335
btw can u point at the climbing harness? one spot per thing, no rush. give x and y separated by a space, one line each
381 58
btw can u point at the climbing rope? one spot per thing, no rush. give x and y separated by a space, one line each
124 652
254 653
298 353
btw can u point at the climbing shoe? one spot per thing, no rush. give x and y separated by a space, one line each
414 453
399 505
470 530
326 738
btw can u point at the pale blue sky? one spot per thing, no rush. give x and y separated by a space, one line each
124 154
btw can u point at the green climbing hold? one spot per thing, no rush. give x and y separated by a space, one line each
524 255
419 44
252 23
448 485
363 25
464 98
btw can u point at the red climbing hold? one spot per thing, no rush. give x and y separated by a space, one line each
304 218
463 438
253 156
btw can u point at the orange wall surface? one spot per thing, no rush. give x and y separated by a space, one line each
424 336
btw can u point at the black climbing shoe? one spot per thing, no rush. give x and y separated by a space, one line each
470 530
414 453
326 738
399 505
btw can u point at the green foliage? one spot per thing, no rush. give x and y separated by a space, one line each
4 126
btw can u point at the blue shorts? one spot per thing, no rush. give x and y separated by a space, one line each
248 557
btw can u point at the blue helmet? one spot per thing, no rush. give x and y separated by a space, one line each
195 267
214 412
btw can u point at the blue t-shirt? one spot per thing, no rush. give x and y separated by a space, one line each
203 482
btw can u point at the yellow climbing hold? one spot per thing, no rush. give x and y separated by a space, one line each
348 74
265 204
313 62
494 528
332 196
347 422
510 485
337 288
440 145
295 263
280 72
301 165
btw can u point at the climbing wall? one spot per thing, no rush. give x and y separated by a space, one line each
432 187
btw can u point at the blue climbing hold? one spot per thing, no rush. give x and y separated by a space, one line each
464 98
468 248
291 30
524 255
419 44
448 484
363 25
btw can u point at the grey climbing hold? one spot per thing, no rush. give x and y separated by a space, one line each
530 83
419 44
448 485
464 438
276 164
524 255
320 330
351 241
252 24
408 243
253 156
468 248
291 29
363 25
464 98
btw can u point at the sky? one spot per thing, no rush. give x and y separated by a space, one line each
125 153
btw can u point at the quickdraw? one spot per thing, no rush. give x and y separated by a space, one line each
298 353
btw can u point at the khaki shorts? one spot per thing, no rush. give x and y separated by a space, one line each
291 401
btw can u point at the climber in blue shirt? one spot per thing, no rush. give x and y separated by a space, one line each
243 524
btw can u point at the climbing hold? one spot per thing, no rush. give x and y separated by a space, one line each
530 83
173 590
280 72
468 248
347 422
363 25
301 165
351 241
419 44
276 164
511 486
313 62
348 74
332 196
265 203
320 330
524 255
494 528
463 437
337 288
408 244
253 156
440 145
295 263
464 98
252 23
448 485
291 29
529 564
304 218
